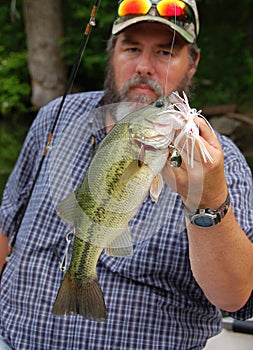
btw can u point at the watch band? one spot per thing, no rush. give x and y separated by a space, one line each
207 217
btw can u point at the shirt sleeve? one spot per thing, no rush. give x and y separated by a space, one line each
20 181
240 185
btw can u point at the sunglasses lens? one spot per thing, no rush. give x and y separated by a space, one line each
174 8
134 7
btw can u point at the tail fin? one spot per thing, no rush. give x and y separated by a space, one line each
86 300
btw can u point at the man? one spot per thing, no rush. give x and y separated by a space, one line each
167 294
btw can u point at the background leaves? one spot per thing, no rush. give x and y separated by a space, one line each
225 74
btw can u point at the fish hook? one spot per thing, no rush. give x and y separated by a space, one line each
64 263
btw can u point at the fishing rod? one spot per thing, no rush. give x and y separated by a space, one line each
91 23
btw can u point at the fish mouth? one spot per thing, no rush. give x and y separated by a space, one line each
140 140
153 142
145 146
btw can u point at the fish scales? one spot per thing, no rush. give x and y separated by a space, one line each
112 191
82 268
125 168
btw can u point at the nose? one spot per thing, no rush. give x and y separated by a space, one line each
144 65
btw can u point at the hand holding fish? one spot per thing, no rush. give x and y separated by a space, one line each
198 184
202 184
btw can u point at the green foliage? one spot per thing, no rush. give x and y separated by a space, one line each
225 69
14 77
77 15
14 82
10 145
12 137
225 73
14 89
12 30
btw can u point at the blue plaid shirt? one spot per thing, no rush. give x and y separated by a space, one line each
152 299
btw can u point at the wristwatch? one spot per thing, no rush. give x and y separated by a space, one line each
206 218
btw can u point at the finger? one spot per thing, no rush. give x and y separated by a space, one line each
207 133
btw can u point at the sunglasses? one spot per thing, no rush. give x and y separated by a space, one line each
173 10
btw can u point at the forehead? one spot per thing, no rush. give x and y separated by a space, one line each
147 31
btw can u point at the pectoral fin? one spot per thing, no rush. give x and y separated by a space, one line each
141 156
156 187
120 246
66 209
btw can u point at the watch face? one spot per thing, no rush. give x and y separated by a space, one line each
202 220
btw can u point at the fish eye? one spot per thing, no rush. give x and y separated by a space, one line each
159 104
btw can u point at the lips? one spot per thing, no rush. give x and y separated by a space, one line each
143 88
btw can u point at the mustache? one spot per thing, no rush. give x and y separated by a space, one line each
135 81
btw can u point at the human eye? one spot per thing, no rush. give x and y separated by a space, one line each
132 49
130 46
164 53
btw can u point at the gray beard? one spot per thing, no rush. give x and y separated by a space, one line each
112 95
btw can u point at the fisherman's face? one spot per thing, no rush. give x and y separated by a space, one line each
148 62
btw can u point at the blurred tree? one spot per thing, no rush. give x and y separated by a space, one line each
54 31
44 30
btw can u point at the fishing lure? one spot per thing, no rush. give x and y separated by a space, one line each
186 122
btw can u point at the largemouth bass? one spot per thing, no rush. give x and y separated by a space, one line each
124 170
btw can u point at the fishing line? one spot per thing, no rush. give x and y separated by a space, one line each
91 23
169 62
171 49
175 158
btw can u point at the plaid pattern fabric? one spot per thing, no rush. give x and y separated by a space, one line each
152 299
